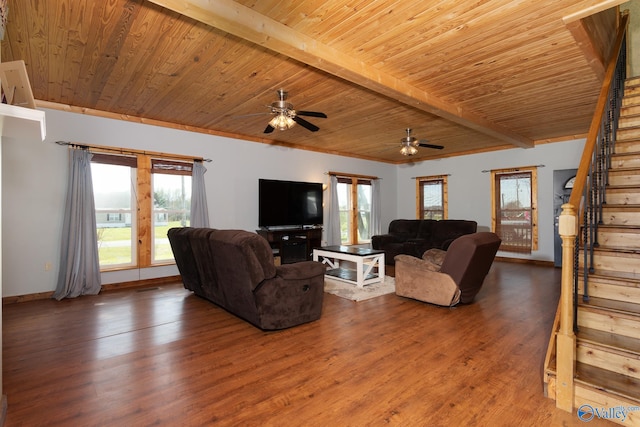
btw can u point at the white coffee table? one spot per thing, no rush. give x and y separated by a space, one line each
369 264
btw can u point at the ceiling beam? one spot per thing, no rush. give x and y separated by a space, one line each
597 7
244 22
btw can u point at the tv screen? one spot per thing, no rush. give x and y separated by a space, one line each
289 203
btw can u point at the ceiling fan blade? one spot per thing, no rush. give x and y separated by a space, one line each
437 147
302 122
269 129
311 114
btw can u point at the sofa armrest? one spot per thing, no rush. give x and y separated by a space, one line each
300 270
422 280
292 297
417 263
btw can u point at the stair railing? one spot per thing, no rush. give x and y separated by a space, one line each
586 200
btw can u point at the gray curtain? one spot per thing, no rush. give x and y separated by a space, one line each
333 221
376 210
79 264
199 209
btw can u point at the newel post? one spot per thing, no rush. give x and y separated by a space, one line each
566 339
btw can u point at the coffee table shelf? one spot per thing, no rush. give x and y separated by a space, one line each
369 264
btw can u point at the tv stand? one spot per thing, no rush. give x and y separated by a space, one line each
293 244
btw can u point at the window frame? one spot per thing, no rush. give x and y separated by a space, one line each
532 171
143 189
352 226
163 166
429 180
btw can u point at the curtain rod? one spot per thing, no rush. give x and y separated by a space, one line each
431 176
100 148
350 175
518 169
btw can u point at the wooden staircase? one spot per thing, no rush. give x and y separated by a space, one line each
608 340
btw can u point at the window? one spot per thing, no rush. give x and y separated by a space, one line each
515 213
432 197
114 195
171 187
354 200
138 198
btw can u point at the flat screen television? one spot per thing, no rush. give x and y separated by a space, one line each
289 203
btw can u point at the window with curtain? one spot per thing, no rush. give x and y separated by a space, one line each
432 197
114 194
171 188
138 198
514 214
355 202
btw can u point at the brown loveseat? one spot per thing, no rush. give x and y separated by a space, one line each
235 270
415 236
458 279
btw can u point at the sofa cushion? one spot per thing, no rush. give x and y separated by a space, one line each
252 249
448 230
425 228
404 228
434 256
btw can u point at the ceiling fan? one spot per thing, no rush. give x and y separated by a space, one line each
285 116
409 144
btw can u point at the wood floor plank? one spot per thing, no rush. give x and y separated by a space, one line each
163 356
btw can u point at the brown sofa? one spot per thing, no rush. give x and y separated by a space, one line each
235 270
415 236
458 279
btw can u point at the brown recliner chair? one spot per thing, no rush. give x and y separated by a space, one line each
458 279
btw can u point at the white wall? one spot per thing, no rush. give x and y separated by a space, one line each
633 37
34 178
470 188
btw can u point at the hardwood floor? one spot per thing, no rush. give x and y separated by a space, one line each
161 356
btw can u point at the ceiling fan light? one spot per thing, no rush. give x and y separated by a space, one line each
408 150
282 122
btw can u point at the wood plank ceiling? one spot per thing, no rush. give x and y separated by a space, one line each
469 75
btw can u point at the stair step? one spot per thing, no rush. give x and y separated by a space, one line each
625 160
630 119
631 145
631 91
618 235
619 385
628 132
624 176
623 194
611 359
611 285
632 81
624 260
597 387
609 340
615 359
631 99
618 317
630 110
613 214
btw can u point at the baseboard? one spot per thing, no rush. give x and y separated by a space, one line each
104 288
142 283
526 261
